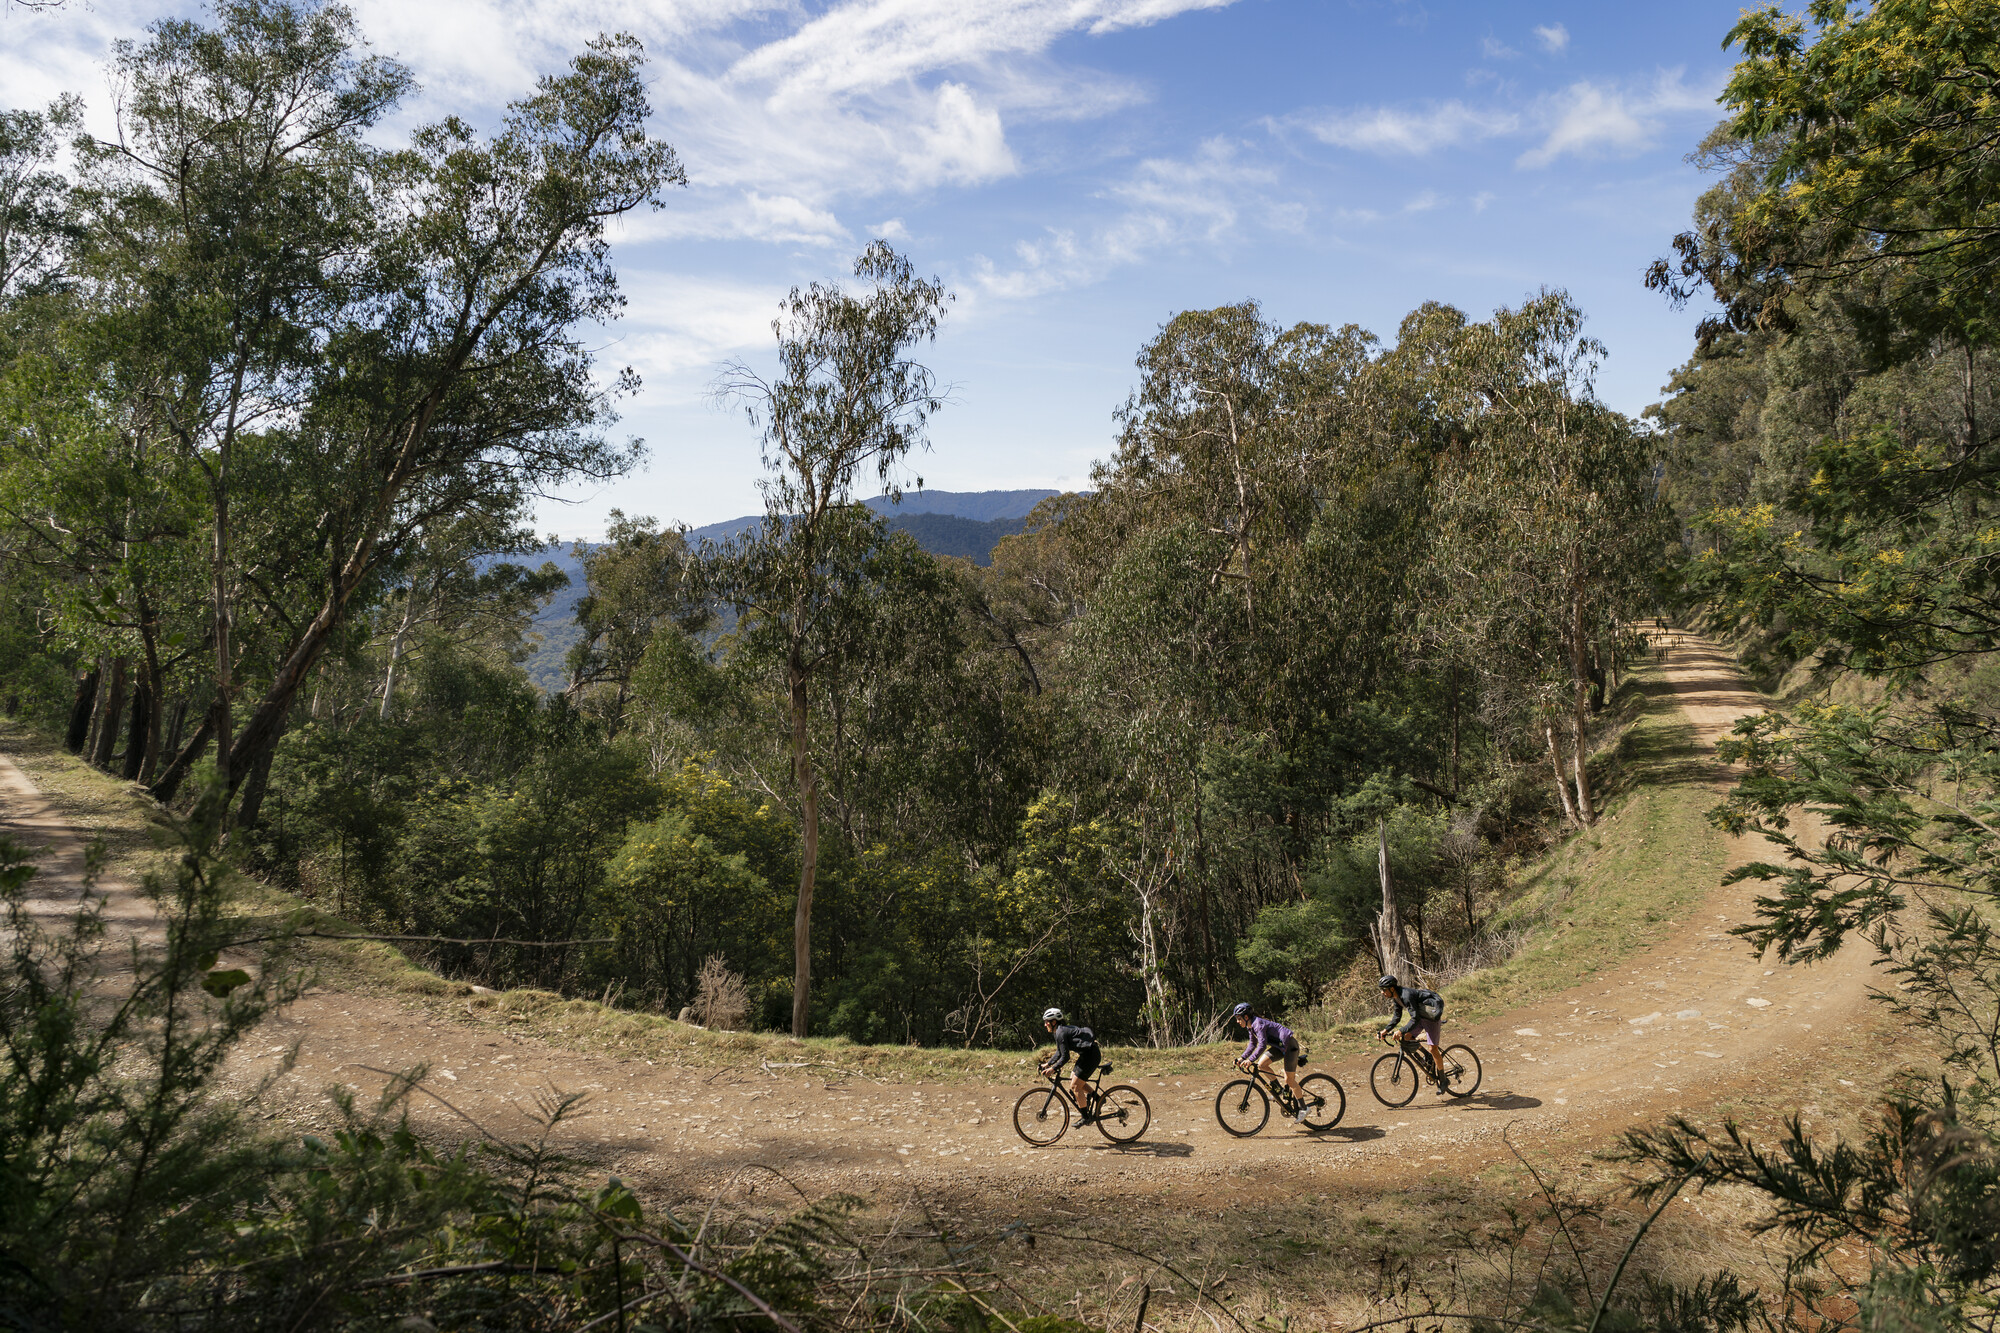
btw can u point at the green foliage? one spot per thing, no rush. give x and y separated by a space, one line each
708 876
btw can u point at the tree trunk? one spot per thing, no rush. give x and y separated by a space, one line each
396 650
80 710
114 709
254 787
1556 766
135 737
172 742
1579 675
168 783
1585 810
802 773
1392 939
89 750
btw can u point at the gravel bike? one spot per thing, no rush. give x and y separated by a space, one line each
1120 1113
1244 1104
1397 1075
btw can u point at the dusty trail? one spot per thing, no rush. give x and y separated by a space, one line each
1690 1025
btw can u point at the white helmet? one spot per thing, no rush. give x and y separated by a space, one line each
1052 1015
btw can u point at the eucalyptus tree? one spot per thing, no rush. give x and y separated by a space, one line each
847 399
441 584
640 581
409 322
1245 573
37 224
228 222
1548 529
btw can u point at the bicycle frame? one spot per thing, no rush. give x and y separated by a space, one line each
1273 1083
1061 1081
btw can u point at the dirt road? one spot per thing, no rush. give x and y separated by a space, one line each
1690 1025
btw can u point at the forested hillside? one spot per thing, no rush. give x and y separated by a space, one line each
1328 587
281 382
937 520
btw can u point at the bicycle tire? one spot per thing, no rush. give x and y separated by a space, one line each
1041 1116
1326 1101
1462 1071
1250 1105
1123 1113
1394 1080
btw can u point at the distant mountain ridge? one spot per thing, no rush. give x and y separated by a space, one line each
977 506
966 524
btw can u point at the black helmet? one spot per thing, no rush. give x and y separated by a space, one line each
1240 1011
1385 983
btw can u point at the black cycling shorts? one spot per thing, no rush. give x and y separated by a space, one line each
1291 1054
1086 1063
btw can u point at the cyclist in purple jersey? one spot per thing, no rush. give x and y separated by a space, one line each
1270 1039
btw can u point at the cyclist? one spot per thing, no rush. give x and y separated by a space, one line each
1269 1039
1417 1010
1072 1040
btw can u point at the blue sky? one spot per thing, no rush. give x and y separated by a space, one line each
1077 171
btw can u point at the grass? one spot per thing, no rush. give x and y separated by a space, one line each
1622 886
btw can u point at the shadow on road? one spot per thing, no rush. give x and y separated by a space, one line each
1348 1134
1502 1101
1144 1149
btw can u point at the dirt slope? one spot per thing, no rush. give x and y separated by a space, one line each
1692 1025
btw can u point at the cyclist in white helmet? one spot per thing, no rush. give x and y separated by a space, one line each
1071 1040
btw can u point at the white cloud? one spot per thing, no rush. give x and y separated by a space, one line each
1481 200
891 230
805 108
1588 118
1166 203
1554 38
1423 203
682 326
1495 49
1389 130
964 143
1583 119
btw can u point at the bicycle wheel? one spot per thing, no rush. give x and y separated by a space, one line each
1461 1071
1326 1100
1393 1080
1041 1116
1123 1113
1242 1107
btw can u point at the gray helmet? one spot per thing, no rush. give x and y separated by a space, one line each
1052 1015
1240 1011
1385 983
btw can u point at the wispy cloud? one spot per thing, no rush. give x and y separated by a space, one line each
1495 49
1163 203
1585 118
1399 131
1588 118
1554 38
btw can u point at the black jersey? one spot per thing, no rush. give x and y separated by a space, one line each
1072 1040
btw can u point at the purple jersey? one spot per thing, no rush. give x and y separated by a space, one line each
1266 1034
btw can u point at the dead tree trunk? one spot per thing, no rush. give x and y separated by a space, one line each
1392 940
1556 764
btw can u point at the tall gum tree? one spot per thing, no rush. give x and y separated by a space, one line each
847 399
406 322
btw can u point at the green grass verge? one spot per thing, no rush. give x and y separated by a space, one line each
1621 887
